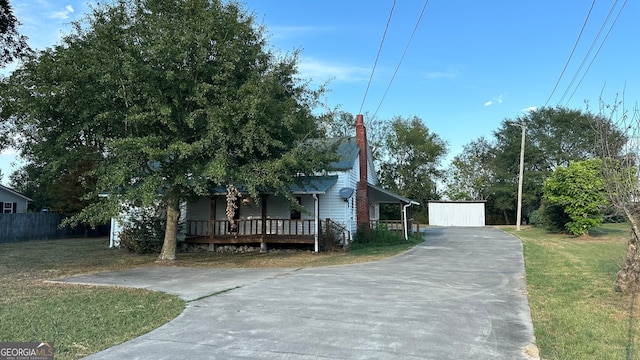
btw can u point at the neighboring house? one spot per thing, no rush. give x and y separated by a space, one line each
12 202
346 197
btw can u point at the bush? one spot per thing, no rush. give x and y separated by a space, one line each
378 237
550 217
143 231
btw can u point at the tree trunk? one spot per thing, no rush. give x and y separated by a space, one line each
628 278
169 246
506 217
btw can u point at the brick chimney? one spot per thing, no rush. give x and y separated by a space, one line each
362 192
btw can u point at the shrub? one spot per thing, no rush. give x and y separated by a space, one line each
143 231
550 217
377 237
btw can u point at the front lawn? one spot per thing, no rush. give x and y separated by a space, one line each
82 320
576 311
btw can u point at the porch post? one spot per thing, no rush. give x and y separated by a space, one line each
317 222
263 230
212 224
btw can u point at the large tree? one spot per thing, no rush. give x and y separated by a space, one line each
469 176
411 158
13 45
176 97
554 137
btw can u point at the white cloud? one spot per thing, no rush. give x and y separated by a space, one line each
322 71
449 73
62 14
530 109
495 100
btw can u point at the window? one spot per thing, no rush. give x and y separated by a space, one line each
295 214
9 208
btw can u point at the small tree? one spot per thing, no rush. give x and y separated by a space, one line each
621 181
579 190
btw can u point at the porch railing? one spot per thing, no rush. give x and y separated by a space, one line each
396 225
250 227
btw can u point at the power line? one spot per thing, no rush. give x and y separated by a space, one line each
584 24
593 43
598 51
402 57
377 56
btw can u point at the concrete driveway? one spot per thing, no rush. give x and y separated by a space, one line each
459 295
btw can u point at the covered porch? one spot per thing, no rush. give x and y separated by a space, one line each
267 219
405 224
251 231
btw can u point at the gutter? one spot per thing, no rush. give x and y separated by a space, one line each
406 222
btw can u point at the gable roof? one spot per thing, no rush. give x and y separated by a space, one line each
13 192
347 151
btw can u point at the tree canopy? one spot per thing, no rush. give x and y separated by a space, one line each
411 158
155 100
469 177
488 168
13 45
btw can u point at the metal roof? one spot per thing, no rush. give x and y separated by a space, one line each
313 184
385 196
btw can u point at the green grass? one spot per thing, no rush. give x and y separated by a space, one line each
82 320
576 311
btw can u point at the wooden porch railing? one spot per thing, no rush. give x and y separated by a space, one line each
252 227
396 225
335 235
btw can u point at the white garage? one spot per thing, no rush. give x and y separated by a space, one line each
457 213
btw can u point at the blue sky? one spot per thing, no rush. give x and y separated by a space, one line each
470 64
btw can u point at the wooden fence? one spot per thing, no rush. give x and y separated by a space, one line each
41 226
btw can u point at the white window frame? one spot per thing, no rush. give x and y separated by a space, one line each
8 209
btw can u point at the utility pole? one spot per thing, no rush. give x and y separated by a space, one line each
519 213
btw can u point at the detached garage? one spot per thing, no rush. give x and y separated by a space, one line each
457 213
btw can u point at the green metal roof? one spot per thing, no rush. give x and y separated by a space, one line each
313 184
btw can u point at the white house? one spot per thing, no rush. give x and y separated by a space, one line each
346 197
12 202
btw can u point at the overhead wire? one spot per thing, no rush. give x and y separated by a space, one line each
575 45
377 56
598 51
593 43
415 28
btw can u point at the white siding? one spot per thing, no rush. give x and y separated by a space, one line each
333 206
457 213
9 197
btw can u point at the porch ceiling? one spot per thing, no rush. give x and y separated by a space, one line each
380 195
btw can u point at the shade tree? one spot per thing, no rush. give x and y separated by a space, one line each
167 100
